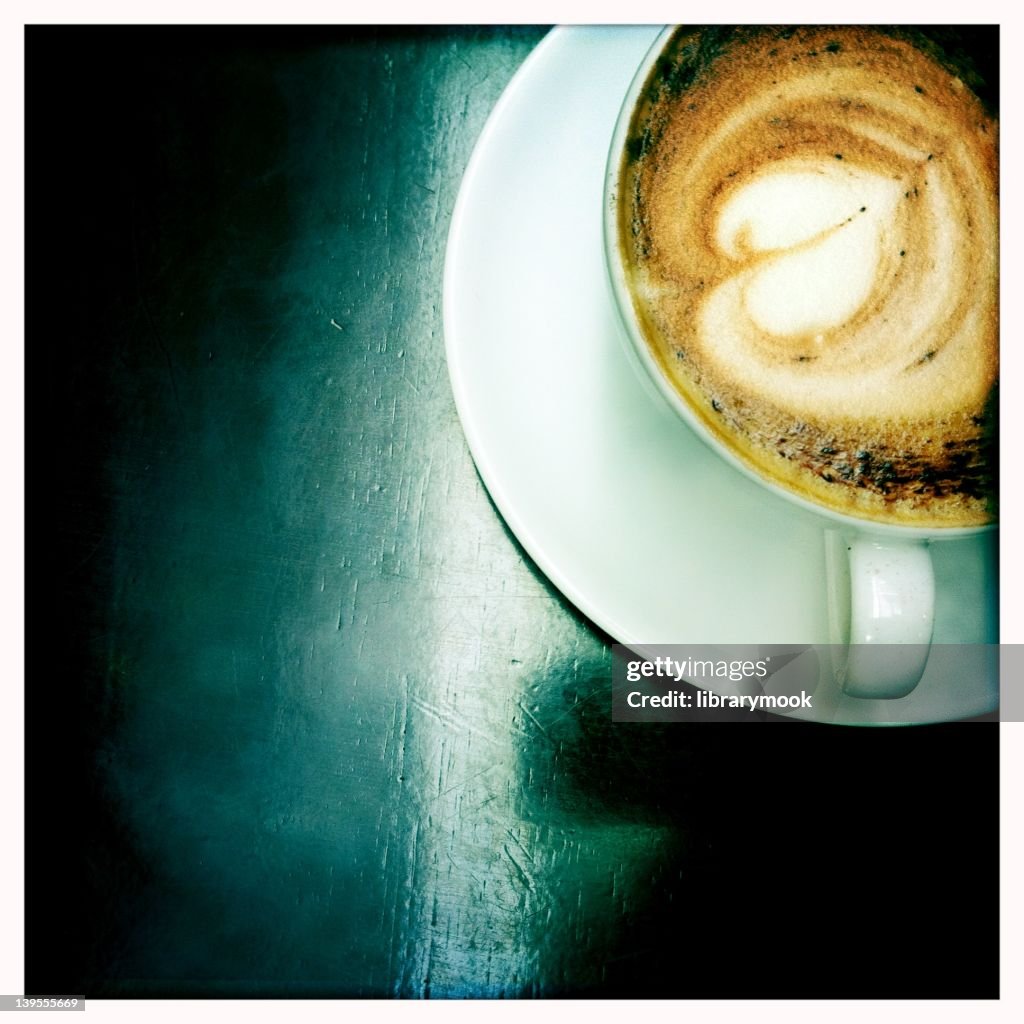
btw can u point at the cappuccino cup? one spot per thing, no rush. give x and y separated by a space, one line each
801 233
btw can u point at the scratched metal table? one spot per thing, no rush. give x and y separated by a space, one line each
303 718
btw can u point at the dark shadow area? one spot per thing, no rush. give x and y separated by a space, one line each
810 861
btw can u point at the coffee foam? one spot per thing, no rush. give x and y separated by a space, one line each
811 229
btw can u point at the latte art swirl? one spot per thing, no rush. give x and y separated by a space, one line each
810 224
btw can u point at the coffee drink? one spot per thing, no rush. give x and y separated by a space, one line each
808 221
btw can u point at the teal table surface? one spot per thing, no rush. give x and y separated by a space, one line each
303 718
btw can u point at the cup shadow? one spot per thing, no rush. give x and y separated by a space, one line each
766 863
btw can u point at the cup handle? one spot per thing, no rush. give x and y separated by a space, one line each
892 612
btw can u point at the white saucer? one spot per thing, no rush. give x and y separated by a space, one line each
641 526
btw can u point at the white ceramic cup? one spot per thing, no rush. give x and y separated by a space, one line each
890 596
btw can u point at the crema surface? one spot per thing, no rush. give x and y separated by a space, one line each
809 220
